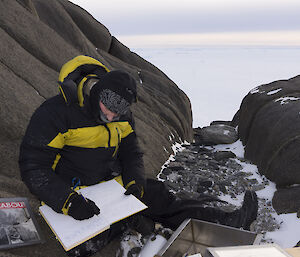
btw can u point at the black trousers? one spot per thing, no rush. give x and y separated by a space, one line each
164 208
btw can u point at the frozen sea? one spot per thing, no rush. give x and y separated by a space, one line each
216 78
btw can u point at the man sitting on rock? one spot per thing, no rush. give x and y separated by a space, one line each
87 135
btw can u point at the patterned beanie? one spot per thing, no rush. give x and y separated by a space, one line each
116 90
113 101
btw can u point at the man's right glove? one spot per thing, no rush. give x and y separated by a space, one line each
81 208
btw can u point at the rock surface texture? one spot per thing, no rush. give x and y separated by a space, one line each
269 127
37 37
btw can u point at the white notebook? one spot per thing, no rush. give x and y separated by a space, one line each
267 250
114 206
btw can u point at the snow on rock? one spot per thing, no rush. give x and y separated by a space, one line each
274 91
286 99
254 90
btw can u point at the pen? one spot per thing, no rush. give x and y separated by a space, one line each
76 183
83 197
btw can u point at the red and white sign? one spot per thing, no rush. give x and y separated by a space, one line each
9 205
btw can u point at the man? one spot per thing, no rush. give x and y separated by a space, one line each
86 135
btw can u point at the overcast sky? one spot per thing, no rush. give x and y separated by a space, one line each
136 17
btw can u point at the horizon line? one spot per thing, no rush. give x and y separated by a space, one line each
250 38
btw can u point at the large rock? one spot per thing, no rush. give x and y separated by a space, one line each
287 200
37 37
215 134
269 127
95 32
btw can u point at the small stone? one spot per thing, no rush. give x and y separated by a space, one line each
258 187
226 182
241 174
174 164
176 168
223 189
172 185
253 181
190 161
216 188
134 251
201 189
181 159
232 195
162 176
202 150
214 166
214 162
221 155
166 171
205 183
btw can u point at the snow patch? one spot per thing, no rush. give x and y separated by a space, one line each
254 90
269 190
238 201
176 147
237 148
286 99
295 185
274 91
288 234
153 246
226 132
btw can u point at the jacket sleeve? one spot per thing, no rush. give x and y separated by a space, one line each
37 157
131 158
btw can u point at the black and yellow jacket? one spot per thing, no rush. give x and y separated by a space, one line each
63 142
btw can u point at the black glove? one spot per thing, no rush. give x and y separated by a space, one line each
81 208
136 190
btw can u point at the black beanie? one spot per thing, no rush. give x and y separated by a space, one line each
111 89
